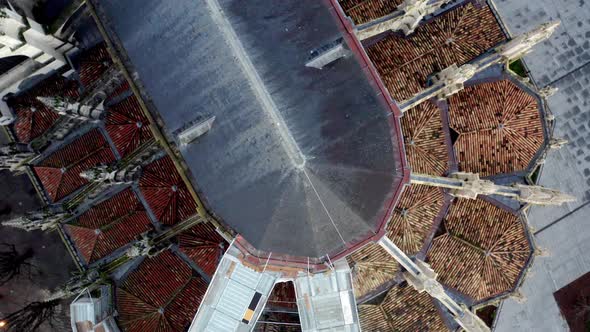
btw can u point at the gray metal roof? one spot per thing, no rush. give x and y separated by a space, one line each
300 161
235 298
326 301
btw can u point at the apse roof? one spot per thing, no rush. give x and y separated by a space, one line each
299 161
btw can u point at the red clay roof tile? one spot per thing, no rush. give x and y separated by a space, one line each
166 193
499 126
60 172
127 126
484 250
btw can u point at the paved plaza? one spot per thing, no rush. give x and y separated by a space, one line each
562 62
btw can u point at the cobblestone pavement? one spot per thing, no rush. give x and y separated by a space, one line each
563 62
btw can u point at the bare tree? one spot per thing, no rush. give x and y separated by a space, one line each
32 316
12 262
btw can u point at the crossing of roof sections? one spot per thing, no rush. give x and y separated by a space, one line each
161 294
420 276
469 185
451 80
108 226
60 171
427 139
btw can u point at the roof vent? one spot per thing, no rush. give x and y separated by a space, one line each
195 131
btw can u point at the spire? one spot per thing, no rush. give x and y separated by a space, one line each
451 80
421 276
148 245
39 220
406 18
523 44
444 84
469 185
557 143
547 91
106 176
74 110
85 280
14 156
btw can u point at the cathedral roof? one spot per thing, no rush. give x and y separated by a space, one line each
455 37
108 226
59 172
499 127
127 125
161 294
166 193
484 251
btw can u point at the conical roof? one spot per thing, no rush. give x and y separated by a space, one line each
424 139
413 217
484 251
203 245
127 126
166 193
161 294
499 125
402 309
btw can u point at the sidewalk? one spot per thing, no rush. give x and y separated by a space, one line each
563 62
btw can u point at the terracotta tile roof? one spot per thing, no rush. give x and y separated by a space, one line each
166 193
372 267
109 225
414 216
203 245
499 126
457 36
484 251
127 126
93 63
363 11
403 309
162 294
32 117
60 172
424 139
